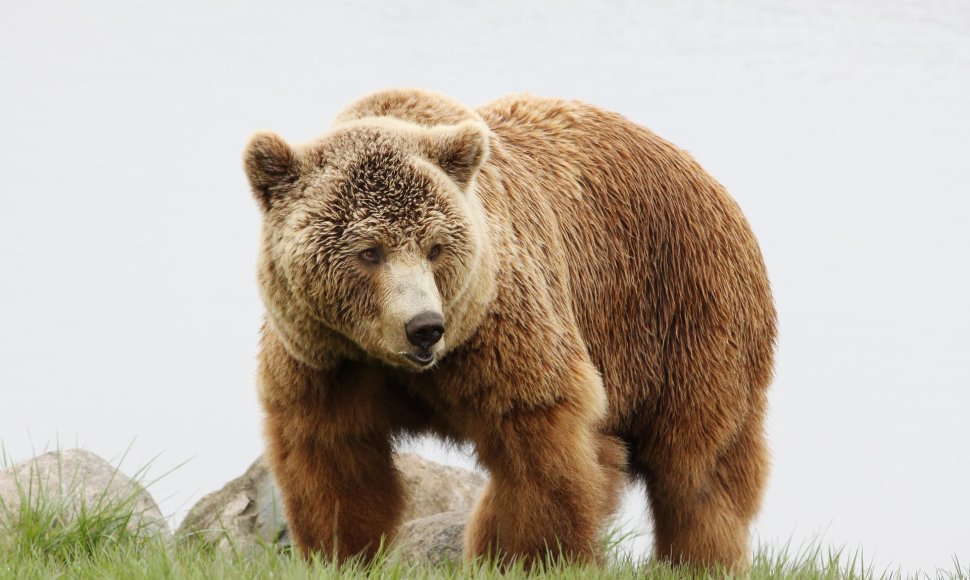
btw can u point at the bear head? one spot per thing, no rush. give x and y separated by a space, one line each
373 237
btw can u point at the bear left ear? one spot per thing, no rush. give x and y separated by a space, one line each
460 150
269 162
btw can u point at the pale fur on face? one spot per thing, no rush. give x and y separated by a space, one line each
382 184
407 288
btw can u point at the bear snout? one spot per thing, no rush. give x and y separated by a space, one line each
425 329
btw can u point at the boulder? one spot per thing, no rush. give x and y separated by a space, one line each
247 512
434 488
433 539
72 481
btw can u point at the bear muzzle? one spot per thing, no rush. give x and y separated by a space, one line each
424 331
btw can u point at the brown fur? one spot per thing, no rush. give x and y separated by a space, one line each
607 314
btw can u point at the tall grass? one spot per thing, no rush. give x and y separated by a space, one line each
52 520
48 538
157 559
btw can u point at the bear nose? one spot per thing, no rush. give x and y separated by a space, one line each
425 329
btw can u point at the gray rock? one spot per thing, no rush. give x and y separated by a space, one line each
72 480
434 488
248 512
433 539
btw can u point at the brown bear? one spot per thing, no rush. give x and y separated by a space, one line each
550 282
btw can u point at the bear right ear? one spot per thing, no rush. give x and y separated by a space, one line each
269 162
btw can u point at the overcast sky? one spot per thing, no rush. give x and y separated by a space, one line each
129 311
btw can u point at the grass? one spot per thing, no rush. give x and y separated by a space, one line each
118 557
49 539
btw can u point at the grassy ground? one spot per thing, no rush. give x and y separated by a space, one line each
153 559
102 546
102 540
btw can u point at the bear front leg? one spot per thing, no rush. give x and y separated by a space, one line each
554 481
342 495
329 447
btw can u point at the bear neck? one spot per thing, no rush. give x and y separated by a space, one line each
464 315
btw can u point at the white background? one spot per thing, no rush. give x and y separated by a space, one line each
129 311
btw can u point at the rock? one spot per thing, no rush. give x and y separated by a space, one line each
73 480
434 488
433 539
248 512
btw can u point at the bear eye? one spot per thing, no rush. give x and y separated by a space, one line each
435 252
371 256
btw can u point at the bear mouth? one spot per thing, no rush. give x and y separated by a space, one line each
422 358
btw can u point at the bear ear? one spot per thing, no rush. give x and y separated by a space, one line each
269 162
460 150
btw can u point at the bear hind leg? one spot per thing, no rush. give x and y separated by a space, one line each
703 517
